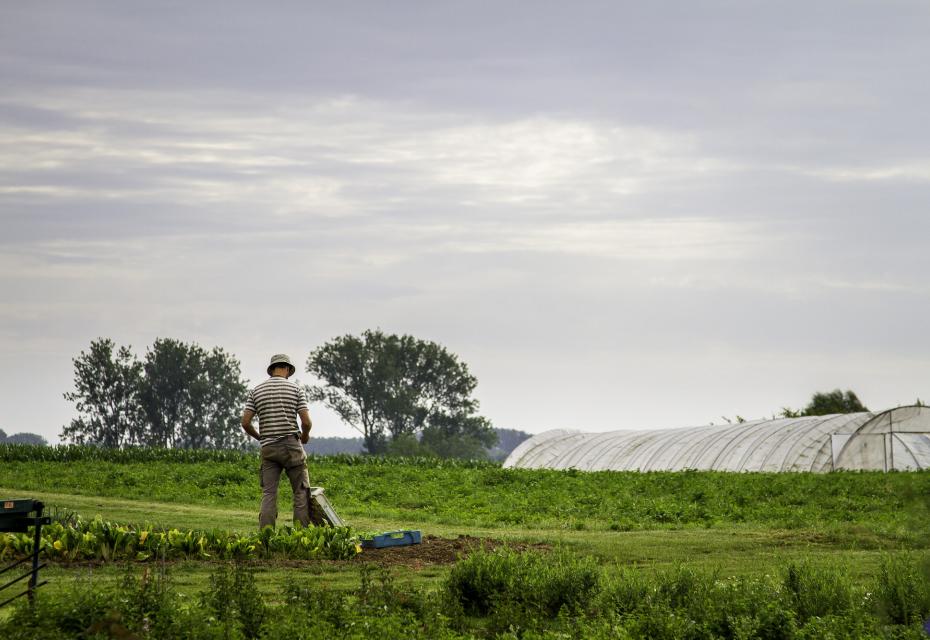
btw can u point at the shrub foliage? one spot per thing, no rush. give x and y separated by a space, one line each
498 594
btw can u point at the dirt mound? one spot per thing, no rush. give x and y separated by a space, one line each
435 550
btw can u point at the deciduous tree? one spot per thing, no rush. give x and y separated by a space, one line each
827 402
393 387
459 437
106 393
836 401
180 396
191 397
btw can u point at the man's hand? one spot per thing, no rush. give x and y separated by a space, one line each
305 426
247 424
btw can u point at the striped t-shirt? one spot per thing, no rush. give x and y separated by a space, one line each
276 402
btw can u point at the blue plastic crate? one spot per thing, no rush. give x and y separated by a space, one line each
392 539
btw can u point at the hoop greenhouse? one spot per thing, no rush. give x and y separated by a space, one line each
897 439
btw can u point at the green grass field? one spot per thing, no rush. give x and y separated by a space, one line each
740 526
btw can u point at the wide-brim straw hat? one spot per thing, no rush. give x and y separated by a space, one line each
281 358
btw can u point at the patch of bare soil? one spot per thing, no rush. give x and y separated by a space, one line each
434 550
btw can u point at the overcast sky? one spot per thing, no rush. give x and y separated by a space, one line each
619 215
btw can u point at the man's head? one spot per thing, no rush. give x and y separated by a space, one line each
281 365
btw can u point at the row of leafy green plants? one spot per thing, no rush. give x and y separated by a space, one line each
877 509
130 455
498 594
80 540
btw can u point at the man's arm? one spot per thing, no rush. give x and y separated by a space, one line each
247 423
305 426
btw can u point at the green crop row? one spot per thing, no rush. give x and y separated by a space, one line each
878 508
96 539
73 453
870 509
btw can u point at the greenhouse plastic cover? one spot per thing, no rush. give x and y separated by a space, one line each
897 439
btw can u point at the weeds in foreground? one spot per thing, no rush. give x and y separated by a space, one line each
903 592
497 594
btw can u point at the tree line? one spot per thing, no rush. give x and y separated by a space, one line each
22 438
508 440
824 403
404 395
177 395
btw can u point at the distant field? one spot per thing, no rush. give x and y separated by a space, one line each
875 508
738 522
748 525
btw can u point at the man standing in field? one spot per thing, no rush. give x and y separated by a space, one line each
278 402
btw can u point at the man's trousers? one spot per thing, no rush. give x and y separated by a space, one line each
285 455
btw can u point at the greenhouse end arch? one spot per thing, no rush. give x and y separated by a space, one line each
893 440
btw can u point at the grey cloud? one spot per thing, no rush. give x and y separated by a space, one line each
28 116
506 56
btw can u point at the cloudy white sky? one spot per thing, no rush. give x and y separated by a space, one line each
619 214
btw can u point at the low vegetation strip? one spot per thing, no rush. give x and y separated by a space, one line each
889 509
97 540
496 594
131 455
